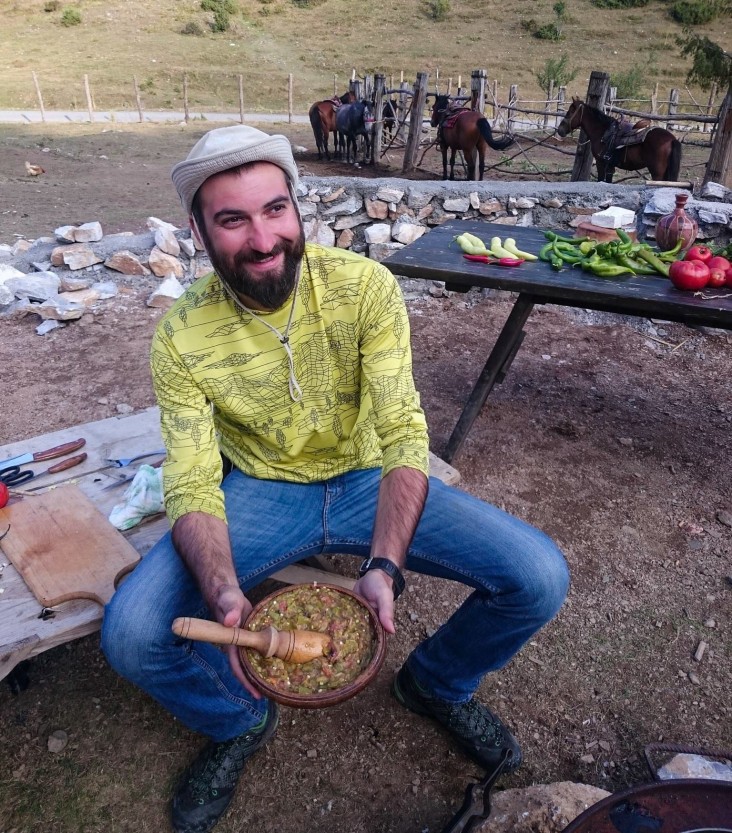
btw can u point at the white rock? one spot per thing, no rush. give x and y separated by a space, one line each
106 289
167 242
187 246
57 740
474 200
65 234
85 297
389 194
59 309
88 233
378 233
380 251
127 263
153 223
351 221
7 271
407 232
79 256
21 246
458 204
686 765
6 296
38 286
6 252
318 231
163 264
351 205
169 290
46 327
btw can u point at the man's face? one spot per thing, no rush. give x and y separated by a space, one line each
253 233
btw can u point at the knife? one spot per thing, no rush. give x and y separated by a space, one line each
49 454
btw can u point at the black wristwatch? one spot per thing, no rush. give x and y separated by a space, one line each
389 567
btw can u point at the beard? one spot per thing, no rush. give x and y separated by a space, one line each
268 290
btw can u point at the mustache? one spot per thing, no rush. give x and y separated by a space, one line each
253 256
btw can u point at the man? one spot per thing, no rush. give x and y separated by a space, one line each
290 364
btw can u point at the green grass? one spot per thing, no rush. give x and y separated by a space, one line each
119 39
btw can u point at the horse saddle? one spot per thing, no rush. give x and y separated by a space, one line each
335 102
452 115
622 134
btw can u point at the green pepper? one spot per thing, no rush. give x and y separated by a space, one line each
556 261
609 270
672 253
544 252
568 254
552 235
638 268
624 237
654 261
587 246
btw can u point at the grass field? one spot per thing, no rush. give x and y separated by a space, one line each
319 44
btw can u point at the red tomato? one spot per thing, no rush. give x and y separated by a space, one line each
4 495
689 274
703 253
717 278
719 262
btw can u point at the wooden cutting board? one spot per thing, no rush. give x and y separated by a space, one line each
64 547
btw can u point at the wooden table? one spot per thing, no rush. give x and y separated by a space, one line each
435 256
26 628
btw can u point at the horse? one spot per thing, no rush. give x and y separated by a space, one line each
322 119
389 118
354 120
466 130
659 150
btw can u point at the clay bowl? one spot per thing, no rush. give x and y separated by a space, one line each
327 697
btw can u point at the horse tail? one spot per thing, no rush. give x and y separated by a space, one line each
487 134
673 166
317 125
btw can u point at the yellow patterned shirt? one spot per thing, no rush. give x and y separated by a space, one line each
221 377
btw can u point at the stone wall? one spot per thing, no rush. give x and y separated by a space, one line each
370 216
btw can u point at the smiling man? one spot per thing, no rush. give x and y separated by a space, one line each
293 428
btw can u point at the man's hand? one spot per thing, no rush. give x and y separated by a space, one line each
231 608
376 588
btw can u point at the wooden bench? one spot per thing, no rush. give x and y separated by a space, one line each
26 628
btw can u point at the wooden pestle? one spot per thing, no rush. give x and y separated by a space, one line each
292 646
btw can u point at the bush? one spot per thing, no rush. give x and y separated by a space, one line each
693 12
51 6
556 70
549 31
221 21
628 84
70 17
228 6
438 9
192 28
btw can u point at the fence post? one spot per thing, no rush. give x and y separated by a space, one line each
512 99
654 100
673 105
289 98
402 109
378 128
459 86
40 97
561 98
241 99
89 105
419 97
710 105
185 98
137 98
368 86
356 87
494 95
335 90
437 81
549 103
719 166
596 94
477 90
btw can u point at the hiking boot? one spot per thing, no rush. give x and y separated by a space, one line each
478 731
207 786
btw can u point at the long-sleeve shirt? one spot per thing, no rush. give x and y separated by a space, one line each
221 377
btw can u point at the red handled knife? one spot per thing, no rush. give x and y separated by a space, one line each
48 454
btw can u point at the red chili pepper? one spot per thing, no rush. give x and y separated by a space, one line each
510 261
479 258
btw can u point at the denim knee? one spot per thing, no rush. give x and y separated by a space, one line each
548 583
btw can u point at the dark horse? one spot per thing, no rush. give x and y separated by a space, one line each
354 120
465 130
659 150
323 121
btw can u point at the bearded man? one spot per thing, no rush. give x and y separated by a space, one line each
293 428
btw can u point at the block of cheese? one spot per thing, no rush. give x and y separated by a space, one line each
613 217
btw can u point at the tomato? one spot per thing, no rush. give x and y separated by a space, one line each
689 274
717 278
702 253
4 495
719 262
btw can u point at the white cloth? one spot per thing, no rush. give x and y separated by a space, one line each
143 497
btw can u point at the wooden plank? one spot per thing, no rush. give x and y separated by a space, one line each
26 628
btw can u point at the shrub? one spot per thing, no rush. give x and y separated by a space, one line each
693 12
438 9
549 31
221 21
70 17
529 25
192 28
51 6
228 6
556 70
628 84
307 4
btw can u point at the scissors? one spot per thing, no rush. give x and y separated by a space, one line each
13 476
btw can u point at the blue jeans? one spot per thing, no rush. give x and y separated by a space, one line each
518 575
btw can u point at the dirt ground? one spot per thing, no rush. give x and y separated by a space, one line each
611 434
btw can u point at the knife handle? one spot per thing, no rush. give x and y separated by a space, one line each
67 464
58 451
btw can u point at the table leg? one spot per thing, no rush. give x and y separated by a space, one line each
499 361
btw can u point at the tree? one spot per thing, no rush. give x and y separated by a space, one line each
556 70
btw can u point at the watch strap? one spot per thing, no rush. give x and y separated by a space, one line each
390 568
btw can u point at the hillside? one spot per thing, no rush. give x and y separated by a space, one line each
116 40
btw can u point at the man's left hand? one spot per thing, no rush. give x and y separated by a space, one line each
376 588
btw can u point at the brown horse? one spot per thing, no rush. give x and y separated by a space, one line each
323 121
465 130
660 150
